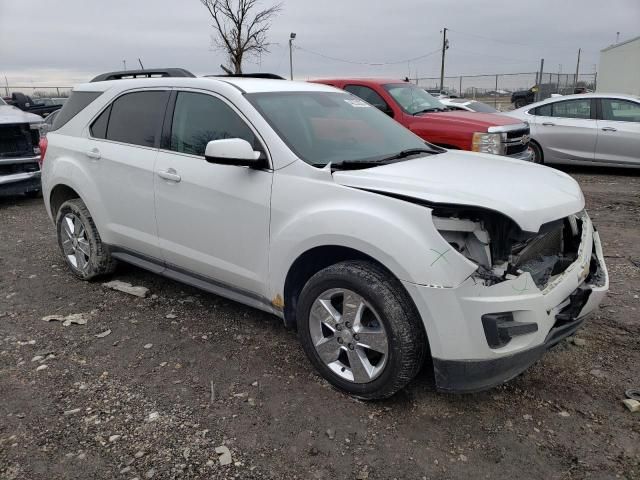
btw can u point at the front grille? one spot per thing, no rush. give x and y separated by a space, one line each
545 255
514 143
17 140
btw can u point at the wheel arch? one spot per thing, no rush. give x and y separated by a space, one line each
60 194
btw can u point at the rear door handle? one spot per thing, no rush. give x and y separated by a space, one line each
609 129
548 124
94 154
169 174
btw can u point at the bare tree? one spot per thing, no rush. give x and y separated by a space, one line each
240 28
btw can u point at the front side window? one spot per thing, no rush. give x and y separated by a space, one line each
573 109
620 110
414 100
199 118
136 118
368 95
324 127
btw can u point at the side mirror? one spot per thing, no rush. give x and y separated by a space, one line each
232 151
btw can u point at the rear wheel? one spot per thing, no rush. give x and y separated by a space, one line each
360 330
520 102
80 242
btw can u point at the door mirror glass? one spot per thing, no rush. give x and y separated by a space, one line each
232 151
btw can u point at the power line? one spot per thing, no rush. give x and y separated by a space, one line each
372 64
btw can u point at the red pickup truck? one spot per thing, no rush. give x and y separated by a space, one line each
424 115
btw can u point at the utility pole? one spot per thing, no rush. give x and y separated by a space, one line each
539 92
577 69
124 64
617 37
291 37
445 46
140 62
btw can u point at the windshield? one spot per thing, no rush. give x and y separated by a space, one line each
331 127
412 99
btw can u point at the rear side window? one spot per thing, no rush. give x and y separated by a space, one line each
135 118
77 102
99 126
200 118
544 110
573 109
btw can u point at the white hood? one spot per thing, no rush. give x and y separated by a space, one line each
529 194
11 114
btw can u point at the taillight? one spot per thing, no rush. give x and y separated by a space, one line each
43 149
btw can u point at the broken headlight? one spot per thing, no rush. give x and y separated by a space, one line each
467 237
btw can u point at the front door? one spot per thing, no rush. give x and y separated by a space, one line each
213 220
567 130
619 132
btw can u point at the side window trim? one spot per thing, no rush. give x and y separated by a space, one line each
157 140
168 122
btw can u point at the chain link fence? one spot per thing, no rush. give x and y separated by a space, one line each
496 89
36 91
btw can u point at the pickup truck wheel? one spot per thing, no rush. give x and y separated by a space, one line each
360 329
520 102
80 242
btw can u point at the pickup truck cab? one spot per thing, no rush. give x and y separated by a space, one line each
424 115
42 107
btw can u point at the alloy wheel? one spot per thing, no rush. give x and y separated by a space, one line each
348 335
75 243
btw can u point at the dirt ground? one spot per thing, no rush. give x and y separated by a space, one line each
183 372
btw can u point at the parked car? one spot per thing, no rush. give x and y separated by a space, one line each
306 202
588 129
437 93
468 105
426 116
19 151
37 106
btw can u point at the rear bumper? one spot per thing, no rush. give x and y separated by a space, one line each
464 360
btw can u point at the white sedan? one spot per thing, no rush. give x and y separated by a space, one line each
588 129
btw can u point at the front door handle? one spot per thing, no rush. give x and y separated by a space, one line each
169 174
548 124
94 154
609 129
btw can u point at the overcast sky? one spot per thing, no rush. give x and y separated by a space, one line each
63 42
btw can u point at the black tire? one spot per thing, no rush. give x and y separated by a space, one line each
33 194
538 156
407 342
521 102
99 260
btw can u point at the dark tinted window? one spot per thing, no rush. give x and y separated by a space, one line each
573 109
620 110
74 105
99 126
200 118
544 110
136 118
368 95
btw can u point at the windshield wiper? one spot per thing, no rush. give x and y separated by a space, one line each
427 110
408 153
362 164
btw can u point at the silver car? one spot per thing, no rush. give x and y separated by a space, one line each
589 129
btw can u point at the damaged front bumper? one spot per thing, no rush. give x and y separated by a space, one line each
19 175
465 358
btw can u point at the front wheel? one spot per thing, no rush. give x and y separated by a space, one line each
521 102
537 153
360 329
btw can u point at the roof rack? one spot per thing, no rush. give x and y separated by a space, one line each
271 76
146 73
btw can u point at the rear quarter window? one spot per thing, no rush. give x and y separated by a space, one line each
77 102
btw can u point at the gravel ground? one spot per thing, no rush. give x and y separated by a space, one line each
183 372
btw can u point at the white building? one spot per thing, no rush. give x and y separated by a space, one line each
619 70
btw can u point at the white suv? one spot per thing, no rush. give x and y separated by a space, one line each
306 202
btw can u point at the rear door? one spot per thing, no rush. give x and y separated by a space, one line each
123 146
567 130
618 132
213 220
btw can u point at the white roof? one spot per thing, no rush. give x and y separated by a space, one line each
246 84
